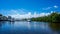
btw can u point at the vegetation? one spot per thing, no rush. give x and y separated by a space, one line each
54 17
4 18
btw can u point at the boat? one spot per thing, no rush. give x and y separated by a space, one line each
29 20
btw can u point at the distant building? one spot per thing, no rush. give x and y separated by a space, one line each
0 14
3 17
9 17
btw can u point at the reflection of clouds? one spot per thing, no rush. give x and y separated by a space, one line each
32 25
35 25
29 26
44 26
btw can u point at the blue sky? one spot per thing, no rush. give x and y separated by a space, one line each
26 6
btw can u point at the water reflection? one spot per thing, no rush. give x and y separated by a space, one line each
11 22
55 26
35 25
2 23
29 27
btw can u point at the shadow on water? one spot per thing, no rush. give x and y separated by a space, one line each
4 22
1 23
55 27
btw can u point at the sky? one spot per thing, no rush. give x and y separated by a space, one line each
26 8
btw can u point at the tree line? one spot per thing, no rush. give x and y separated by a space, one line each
5 18
53 17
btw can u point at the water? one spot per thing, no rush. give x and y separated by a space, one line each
24 27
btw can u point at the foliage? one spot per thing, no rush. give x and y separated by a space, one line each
4 18
54 17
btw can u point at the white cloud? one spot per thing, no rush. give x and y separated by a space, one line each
55 6
21 14
47 8
52 11
29 15
44 14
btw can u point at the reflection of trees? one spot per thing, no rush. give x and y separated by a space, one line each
4 22
1 23
11 22
55 26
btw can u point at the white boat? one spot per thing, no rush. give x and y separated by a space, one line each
29 20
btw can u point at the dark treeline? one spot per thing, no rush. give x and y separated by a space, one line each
53 17
5 18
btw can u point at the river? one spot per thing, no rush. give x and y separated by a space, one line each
24 27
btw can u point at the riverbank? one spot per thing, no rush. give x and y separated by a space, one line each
52 18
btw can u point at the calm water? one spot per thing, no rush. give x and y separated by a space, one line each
26 28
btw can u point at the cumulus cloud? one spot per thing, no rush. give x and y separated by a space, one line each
23 13
29 15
